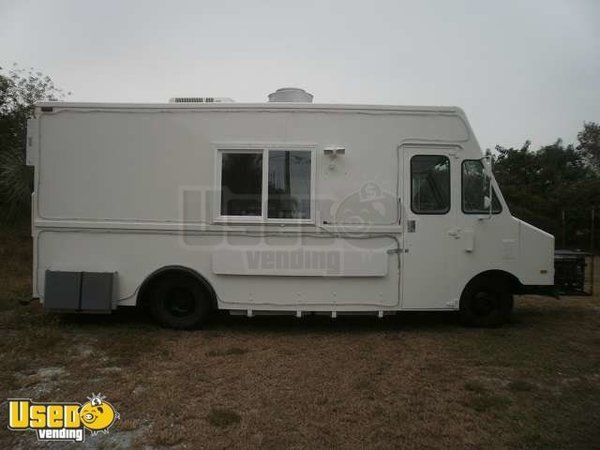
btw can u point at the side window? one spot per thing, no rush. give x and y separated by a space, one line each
265 184
430 184
476 189
241 184
289 184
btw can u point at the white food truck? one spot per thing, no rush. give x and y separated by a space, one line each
288 207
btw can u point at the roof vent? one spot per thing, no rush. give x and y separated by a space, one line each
200 100
290 94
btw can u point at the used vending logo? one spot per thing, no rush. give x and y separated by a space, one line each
57 421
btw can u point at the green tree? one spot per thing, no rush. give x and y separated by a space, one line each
540 185
20 89
589 144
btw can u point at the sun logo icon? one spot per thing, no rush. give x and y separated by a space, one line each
97 414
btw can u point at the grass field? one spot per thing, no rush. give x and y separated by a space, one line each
415 380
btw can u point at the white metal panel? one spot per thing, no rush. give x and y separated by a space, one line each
33 142
299 261
136 255
537 255
113 165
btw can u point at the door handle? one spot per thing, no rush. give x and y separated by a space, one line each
469 240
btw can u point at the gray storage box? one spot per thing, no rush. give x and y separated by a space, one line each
79 291
62 290
96 291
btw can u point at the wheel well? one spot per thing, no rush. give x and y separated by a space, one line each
142 297
499 276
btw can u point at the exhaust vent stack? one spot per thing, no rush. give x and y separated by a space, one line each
291 95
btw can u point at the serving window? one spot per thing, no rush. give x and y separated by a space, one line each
241 184
265 185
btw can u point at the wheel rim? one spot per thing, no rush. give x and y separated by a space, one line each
484 303
179 302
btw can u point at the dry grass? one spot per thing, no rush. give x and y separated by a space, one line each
418 380
222 417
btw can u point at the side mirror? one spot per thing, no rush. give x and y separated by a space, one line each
487 166
487 202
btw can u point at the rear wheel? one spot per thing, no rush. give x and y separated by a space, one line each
486 302
179 300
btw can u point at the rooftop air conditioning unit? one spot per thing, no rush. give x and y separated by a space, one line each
200 100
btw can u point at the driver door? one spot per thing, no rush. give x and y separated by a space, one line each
429 227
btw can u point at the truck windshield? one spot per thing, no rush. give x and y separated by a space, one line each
475 188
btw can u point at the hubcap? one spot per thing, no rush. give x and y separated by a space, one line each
179 302
484 303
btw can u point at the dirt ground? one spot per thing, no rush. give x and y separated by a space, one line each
414 380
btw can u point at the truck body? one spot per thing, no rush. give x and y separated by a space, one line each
273 207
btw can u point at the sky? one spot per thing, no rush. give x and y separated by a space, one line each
521 70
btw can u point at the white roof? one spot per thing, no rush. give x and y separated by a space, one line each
255 106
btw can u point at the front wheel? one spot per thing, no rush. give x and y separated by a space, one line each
179 301
486 302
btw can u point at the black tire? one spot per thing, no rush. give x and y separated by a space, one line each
486 302
179 301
